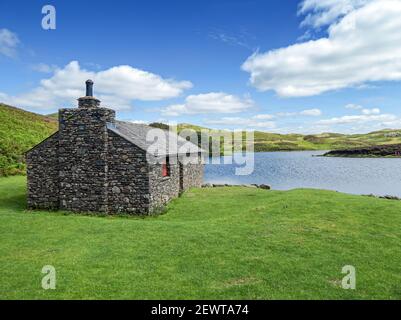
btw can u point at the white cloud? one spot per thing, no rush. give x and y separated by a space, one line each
361 47
371 111
353 106
358 119
286 114
308 112
367 121
44 68
392 124
8 43
117 87
363 110
238 122
311 112
324 12
264 117
214 102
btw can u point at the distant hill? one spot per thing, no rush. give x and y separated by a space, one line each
265 141
19 131
325 141
53 115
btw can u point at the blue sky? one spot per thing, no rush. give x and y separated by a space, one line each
280 66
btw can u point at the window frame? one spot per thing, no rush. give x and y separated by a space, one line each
166 170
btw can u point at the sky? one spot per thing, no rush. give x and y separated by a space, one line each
283 66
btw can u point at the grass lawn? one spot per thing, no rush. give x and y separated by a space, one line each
229 243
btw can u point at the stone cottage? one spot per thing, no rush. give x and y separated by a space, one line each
95 163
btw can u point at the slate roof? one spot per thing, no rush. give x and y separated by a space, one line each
167 144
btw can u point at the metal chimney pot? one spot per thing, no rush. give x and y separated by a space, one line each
89 88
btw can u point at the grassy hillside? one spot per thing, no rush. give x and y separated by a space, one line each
19 131
265 141
228 243
325 141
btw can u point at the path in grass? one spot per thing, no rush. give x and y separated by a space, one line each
230 243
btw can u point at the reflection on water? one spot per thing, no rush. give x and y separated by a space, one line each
289 170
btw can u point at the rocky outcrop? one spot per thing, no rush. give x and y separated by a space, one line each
389 150
256 186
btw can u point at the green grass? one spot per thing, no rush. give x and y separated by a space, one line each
19 131
231 243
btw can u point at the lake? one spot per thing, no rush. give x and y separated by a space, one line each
303 169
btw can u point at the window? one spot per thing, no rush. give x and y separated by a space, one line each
166 168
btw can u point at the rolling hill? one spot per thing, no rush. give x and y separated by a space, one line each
325 141
20 130
266 142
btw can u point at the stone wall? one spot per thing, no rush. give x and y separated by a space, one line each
83 149
128 183
43 180
163 189
182 177
192 176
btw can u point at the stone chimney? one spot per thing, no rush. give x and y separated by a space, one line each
89 101
83 145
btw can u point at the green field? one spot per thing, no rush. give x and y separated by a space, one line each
231 243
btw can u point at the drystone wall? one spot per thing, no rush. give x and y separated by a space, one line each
43 180
163 189
128 183
192 176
